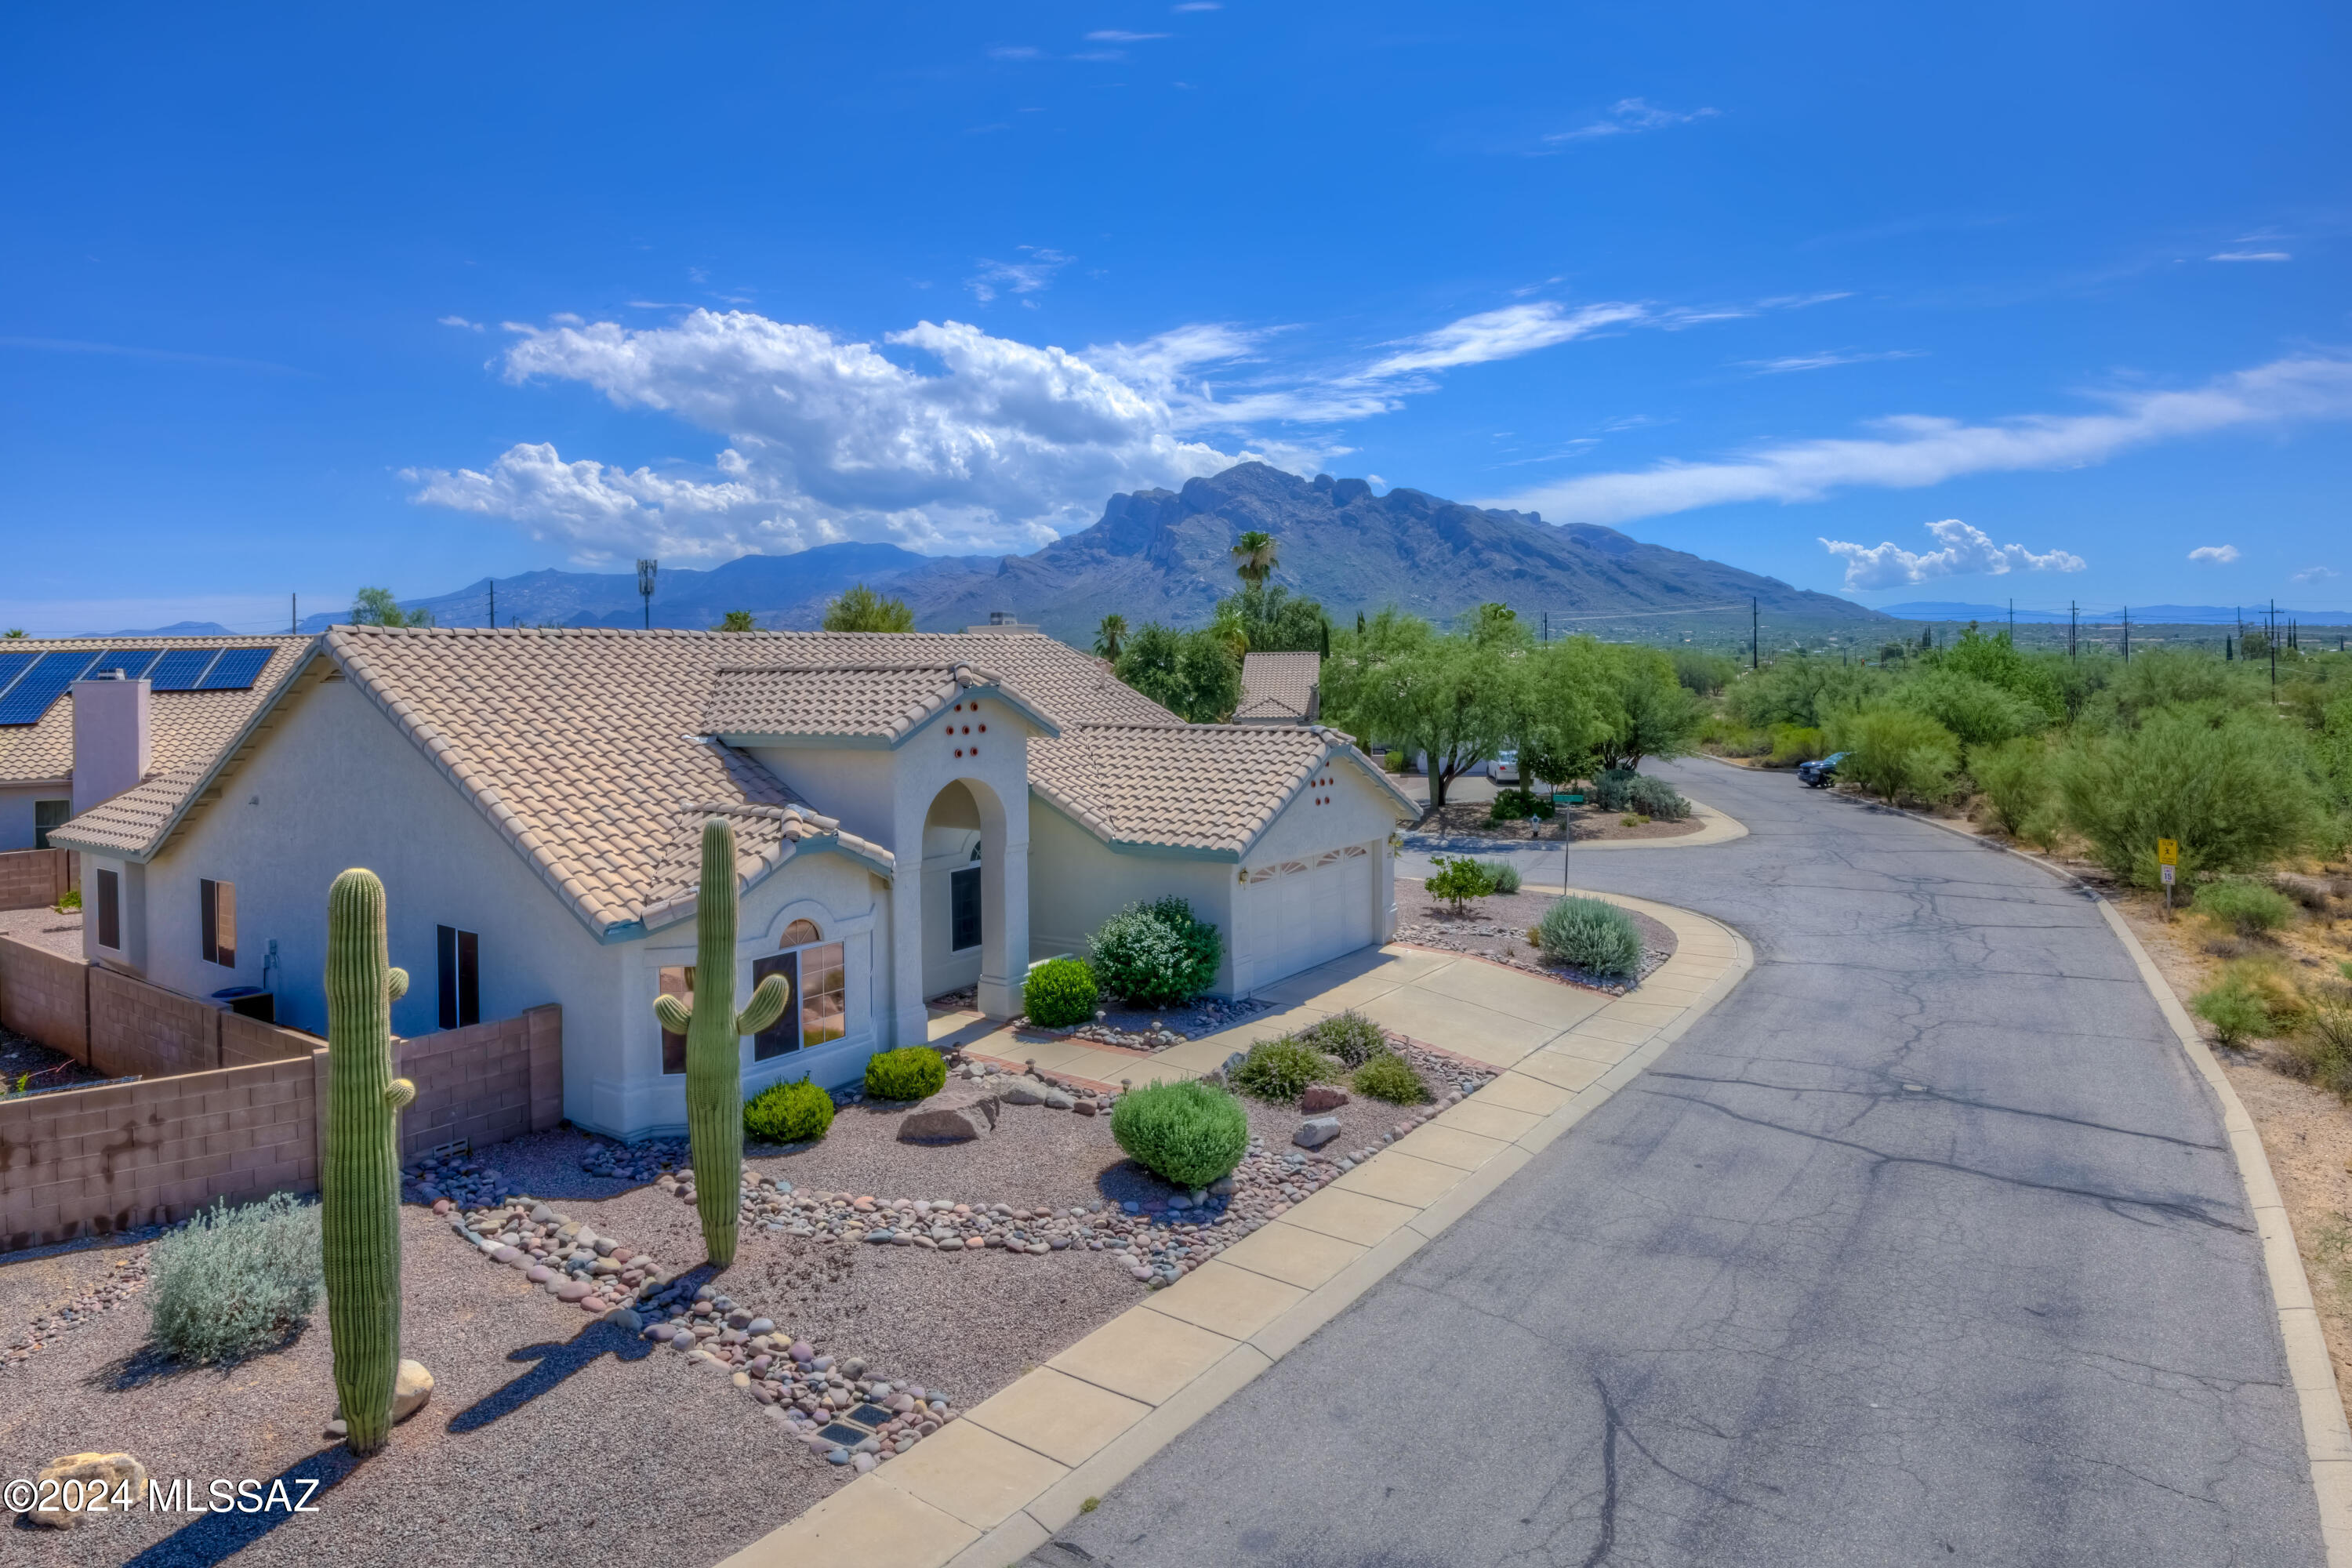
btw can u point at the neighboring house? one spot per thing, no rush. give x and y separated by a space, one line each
1280 688
68 743
915 814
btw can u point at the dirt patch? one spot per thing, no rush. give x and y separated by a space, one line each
26 1065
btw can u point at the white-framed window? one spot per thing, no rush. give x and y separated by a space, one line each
219 921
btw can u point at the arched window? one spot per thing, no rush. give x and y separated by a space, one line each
820 985
800 933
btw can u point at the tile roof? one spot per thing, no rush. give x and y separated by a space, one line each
1279 686
183 727
870 702
585 745
1205 787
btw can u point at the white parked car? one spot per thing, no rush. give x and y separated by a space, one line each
1505 769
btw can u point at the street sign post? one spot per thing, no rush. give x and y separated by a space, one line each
2168 859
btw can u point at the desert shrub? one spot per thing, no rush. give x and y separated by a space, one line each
1187 1133
1591 934
1732 738
1458 880
797 1112
1977 712
1157 955
2247 908
1394 759
1390 1078
1059 993
1280 1070
1352 1037
1896 752
911 1072
72 900
2016 781
1703 673
1794 744
1622 790
2233 1008
1518 804
1504 872
2323 1053
234 1281
2232 792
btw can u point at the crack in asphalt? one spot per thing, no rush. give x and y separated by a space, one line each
1930 1094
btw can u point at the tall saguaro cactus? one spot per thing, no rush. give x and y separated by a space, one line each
361 1183
714 1060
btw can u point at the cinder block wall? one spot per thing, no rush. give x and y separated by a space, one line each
245 1041
135 1027
44 996
485 1082
36 879
96 1161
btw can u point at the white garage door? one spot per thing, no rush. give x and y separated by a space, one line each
1305 912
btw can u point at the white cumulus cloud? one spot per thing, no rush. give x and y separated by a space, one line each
2214 555
2315 575
1914 450
1965 549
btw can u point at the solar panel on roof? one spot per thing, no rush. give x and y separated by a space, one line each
131 661
13 665
42 685
237 668
180 669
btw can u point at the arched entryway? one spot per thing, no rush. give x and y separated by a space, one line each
973 937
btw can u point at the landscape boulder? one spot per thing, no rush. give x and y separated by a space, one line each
1321 1097
411 1387
952 1124
97 1479
1316 1131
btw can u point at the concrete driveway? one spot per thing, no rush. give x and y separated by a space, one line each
1922 1246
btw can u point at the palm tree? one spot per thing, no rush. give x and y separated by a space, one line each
1253 557
737 621
1111 636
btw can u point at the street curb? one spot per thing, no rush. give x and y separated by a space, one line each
1024 1461
1718 827
2326 1435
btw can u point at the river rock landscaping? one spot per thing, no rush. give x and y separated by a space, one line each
1495 928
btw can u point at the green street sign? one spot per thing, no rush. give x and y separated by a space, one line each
1560 799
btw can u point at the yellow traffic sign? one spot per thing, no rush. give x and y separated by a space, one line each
2168 852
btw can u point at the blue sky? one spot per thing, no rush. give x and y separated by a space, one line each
2008 300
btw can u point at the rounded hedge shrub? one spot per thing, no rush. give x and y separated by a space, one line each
1157 955
234 1281
1390 1078
788 1113
1060 993
1186 1134
1590 934
1280 1070
1504 872
1352 1037
2247 908
911 1072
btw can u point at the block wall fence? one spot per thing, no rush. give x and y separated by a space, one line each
37 878
225 1107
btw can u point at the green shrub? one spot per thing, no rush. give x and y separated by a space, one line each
1897 753
1794 744
2247 908
1280 1070
1390 1078
1059 993
2234 1008
1157 955
1518 804
1624 791
233 1281
1976 712
2017 782
1591 934
1459 880
2324 1054
1504 872
1187 1133
911 1072
1352 1037
797 1112
73 900
2233 791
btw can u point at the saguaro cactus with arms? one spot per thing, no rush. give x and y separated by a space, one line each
360 1186
714 1060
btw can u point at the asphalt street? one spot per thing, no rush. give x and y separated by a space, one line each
1923 1247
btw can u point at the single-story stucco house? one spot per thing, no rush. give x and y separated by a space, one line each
60 754
916 815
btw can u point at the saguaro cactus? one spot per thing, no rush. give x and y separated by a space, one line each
361 1183
714 1060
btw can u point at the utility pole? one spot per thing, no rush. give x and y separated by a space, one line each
645 573
2071 608
2273 640
293 611
2013 622
494 604
1755 655
2127 634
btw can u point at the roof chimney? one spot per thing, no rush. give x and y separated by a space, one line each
110 737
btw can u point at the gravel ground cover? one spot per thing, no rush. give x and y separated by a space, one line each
1497 928
1468 820
58 930
27 1065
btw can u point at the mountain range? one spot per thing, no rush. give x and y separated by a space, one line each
1165 555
